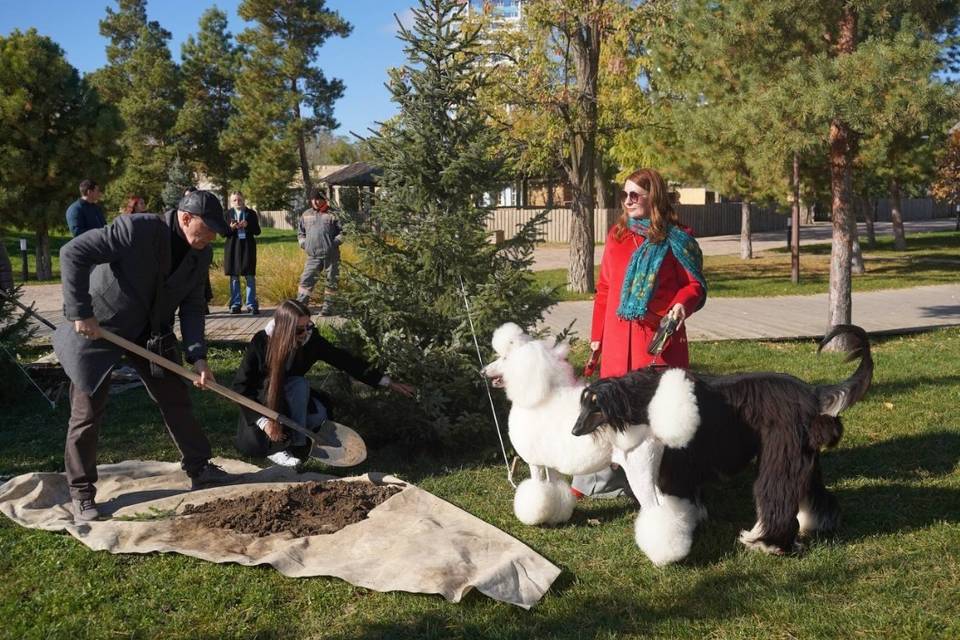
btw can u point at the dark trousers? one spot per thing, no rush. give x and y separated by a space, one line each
86 415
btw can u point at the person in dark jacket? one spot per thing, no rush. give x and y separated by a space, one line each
132 277
273 373
240 252
85 214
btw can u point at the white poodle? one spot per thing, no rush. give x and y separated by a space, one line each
545 404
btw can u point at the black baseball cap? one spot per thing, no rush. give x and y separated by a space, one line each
208 207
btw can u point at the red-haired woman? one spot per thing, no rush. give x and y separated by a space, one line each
651 267
134 204
273 373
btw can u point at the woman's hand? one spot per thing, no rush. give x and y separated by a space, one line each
403 389
678 313
595 345
274 431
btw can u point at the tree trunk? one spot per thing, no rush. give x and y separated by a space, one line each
899 238
841 177
870 216
746 244
586 60
806 212
302 147
795 224
856 254
44 266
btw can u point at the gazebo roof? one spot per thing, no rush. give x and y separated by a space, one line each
358 174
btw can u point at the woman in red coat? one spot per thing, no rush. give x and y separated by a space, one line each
651 267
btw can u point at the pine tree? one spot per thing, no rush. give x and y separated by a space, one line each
54 132
142 81
277 88
208 78
426 232
179 179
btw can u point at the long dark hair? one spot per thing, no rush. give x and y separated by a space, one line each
662 213
281 345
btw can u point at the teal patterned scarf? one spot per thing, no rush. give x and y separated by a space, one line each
640 281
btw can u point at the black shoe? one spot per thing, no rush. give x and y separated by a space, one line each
326 311
85 509
234 310
210 475
254 311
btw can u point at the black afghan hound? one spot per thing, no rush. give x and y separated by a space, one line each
714 426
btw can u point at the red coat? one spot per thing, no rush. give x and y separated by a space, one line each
624 343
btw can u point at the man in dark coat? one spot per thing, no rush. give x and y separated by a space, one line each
131 277
240 252
85 214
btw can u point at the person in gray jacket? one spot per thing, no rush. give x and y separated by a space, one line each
131 277
320 235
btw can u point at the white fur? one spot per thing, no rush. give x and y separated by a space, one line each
673 412
665 533
537 502
809 522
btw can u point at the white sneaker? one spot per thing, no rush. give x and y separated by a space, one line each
284 459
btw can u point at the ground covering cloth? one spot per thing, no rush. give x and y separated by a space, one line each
412 542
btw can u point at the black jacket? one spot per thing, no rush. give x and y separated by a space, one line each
251 381
240 256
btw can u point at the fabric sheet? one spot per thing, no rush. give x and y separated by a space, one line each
412 542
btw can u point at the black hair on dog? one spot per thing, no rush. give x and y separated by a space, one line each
778 419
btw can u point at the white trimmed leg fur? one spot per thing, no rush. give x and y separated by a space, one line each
544 498
665 533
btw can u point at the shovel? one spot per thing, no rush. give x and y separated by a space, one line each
334 444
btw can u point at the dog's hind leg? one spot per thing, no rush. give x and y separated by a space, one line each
819 510
784 470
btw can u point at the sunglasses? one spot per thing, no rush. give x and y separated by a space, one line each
633 196
305 328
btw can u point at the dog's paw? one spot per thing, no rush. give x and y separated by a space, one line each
665 533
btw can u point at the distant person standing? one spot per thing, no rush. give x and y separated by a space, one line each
240 252
6 269
85 214
134 204
320 235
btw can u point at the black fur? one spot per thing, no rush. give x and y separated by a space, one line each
778 419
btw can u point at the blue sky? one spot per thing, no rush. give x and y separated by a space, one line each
360 60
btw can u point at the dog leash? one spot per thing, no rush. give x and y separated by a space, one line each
486 384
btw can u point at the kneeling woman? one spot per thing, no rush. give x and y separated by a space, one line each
273 373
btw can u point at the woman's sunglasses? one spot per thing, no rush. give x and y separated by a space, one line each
633 196
304 328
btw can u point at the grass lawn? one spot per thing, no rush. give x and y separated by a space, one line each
892 571
930 258
269 238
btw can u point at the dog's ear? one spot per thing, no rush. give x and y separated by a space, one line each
507 337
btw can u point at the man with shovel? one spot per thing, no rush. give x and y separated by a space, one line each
131 277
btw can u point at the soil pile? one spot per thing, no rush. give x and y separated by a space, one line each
306 509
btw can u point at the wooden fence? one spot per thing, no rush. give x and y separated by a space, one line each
706 220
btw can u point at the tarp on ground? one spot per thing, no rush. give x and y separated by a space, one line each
412 542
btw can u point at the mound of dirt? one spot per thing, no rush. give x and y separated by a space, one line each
306 509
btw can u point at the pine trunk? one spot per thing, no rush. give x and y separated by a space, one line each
840 308
44 265
746 243
302 147
899 237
